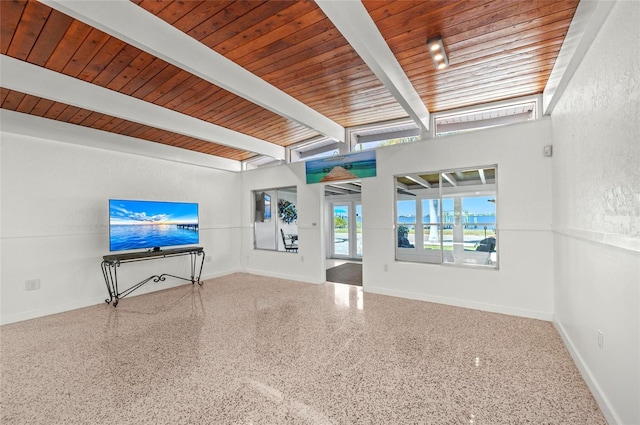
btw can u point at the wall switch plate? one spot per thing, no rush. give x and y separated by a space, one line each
32 285
548 150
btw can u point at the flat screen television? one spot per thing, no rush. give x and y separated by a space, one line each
135 224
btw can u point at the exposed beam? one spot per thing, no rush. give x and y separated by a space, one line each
134 25
448 177
333 189
419 180
44 128
348 186
31 79
354 22
586 22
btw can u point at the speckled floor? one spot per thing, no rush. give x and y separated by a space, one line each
254 350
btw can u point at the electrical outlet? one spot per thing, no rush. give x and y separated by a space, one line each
600 338
32 285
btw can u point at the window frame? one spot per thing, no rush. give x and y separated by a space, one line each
418 253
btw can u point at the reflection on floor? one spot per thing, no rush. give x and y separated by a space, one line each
248 349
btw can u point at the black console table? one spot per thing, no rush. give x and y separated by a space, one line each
110 264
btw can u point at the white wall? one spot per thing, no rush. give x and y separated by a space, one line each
307 265
55 220
596 214
523 285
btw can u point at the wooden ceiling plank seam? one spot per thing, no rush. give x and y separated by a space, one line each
279 25
307 43
10 17
91 119
361 32
13 99
152 84
79 117
149 71
517 81
54 30
67 113
521 43
176 10
85 53
426 17
456 39
216 21
273 70
138 27
42 107
249 19
27 104
172 88
508 26
302 27
29 28
56 109
527 58
64 51
198 15
117 66
478 77
329 62
101 62
154 6
130 72
535 35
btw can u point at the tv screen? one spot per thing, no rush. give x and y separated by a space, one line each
137 224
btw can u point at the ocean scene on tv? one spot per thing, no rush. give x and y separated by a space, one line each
150 224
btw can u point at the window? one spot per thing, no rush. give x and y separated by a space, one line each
502 113
276 219
448 217
384 134
313 149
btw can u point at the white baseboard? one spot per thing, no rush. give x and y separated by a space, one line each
603 402
282 276
74 305
492 308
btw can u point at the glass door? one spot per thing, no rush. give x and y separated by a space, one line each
347 230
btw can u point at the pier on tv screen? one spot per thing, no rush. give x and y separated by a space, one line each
135 224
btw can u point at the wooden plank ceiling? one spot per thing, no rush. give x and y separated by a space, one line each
497 50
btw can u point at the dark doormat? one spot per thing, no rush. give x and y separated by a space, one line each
349 273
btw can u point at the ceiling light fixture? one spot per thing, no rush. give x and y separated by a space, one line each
436 50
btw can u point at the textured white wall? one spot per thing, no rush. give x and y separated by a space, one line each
523 285
596 214
55 220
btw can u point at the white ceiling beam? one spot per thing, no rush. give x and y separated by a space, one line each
419 180
132 24
348 186
48 129
354 22
448 177
586 22
34 80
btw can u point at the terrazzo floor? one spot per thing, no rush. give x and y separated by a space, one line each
245 349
